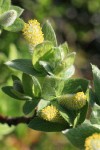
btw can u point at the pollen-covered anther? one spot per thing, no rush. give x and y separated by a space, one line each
93 142
73 101
33 32
51 113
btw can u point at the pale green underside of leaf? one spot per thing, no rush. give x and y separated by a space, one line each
19 10
16 26
24 65
49 33
95 115
78 135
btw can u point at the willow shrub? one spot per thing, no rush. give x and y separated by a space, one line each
57 102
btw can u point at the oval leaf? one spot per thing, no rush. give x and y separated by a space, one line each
49 34
16 26
78 135
39 51
29 106
75 85
46 126
24 65
27 84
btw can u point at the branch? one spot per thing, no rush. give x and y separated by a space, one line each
15 121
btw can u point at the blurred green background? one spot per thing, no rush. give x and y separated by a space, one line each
74 21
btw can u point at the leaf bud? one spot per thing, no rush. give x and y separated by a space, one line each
8 18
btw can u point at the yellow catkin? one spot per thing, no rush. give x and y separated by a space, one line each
51 113
93 142
33 32
79 95
80 99
73 101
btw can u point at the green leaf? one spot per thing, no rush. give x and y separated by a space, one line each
64 113
78 135
42 103
36 88
16 26
39 51
81 115
20 95
29 106
8 90
4 5
56 51
69 59
64 49
96 80
48 88
13 52
92 97
51 59
67 73
59 85
52 87
46 66
14 78
46 126
19 10
73 117
27 84
95 115
65 64
17 85
24 65
72 86
68 115
49 34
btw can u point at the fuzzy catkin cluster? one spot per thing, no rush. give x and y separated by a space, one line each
51 113
93 142
33 32
73 101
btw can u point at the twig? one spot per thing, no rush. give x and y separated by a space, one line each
16 120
